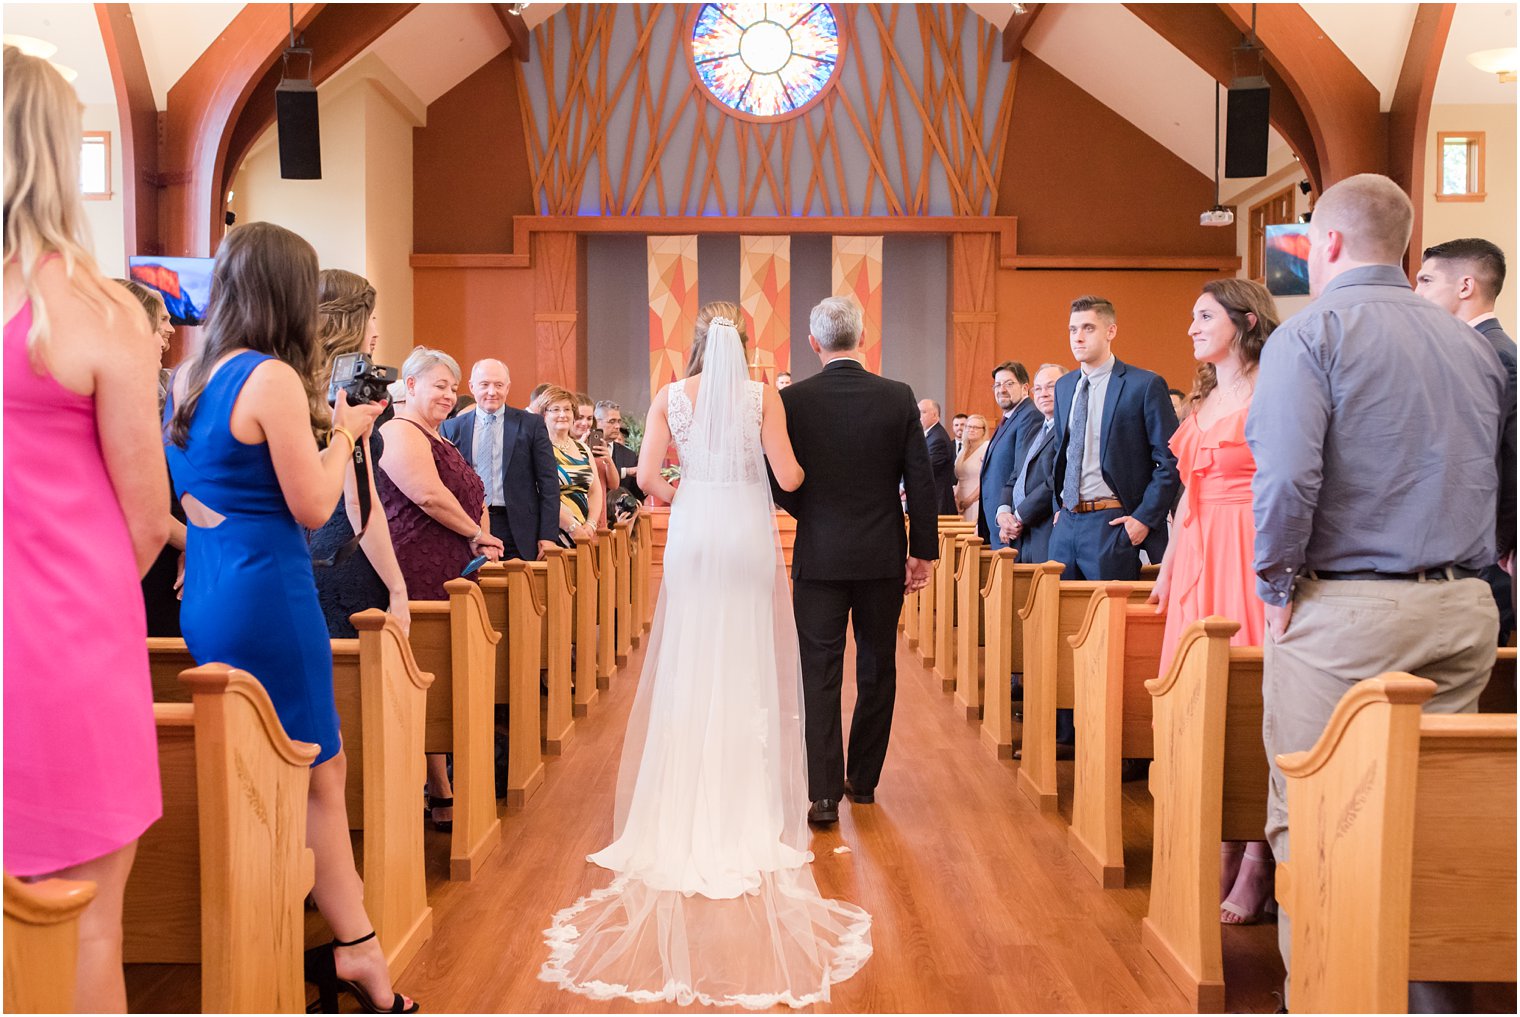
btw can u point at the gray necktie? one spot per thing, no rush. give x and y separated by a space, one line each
1034 449
1076 444
485 456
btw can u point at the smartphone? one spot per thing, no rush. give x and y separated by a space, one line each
596 437
474 566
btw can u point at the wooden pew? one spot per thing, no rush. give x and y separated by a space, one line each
952 549
517 615
635 565
643 593
382 706
42 943
605 557
622 600
940 589
1209 784
1055 612
970 580
1006 595
583 571
553 586
1116 651
221 879
1402 857
455 641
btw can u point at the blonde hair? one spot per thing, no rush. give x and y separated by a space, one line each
967 448
345 302
152 304
716 309
44 213
549 396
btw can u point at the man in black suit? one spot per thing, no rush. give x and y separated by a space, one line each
1025 513
510 450
609 417
941 456
1466 277
852 558
1008 446
1115 476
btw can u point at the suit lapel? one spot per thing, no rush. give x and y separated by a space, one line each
510 425
1111 404
466 442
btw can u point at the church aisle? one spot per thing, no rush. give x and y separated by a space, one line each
978 904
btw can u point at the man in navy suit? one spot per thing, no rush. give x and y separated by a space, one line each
1115 475
941 455
1008 446
510 450
1466 277
1025 512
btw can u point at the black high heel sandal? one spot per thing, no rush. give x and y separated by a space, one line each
442 826
322 971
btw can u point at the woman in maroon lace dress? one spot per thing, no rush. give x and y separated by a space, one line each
435 504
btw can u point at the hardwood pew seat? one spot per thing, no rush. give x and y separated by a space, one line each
1006 594
221 879
516 612
1402 857
971 578
940 590
622 606
42 943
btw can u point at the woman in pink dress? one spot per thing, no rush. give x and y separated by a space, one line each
1207 569
86 511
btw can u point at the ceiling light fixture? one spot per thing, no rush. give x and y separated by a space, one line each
31 46
1496 61
517 9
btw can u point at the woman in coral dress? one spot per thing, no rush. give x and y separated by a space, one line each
1207 569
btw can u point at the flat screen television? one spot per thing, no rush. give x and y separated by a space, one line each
184 283
1288 259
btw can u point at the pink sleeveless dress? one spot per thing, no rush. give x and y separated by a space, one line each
81 752
1215 544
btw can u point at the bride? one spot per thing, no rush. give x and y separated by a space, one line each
712 899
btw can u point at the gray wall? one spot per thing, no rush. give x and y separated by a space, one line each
915 310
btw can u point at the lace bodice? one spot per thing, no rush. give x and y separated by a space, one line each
734 461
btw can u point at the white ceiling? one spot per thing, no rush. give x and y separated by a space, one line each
1373 36
1474 27
415 47
173 36
76 33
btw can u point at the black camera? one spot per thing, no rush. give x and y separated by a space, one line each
364 380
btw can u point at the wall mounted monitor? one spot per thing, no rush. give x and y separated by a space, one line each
184 283
1288 259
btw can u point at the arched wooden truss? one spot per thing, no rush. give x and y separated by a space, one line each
916 124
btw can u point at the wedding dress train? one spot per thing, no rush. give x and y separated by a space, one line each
713 900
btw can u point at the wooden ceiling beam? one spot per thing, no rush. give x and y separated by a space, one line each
1205 35
139 127
1409 115
517 30
1017 29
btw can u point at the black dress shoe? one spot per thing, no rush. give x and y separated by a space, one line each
859 797
1134 769
824 812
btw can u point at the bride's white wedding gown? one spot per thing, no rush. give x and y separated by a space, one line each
713 900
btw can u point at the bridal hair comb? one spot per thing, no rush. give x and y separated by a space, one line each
720 320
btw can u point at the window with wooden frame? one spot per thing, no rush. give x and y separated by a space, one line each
95 166
1274 211
1459 166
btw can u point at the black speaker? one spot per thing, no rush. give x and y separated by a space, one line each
1246 128
300 136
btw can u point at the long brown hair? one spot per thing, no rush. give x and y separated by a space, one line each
44 213
345 302
263 298
1238 297
716 309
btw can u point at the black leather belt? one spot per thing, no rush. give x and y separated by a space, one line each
1442 574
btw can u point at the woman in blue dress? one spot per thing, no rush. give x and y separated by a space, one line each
246 467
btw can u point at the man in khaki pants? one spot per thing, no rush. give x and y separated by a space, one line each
1375 427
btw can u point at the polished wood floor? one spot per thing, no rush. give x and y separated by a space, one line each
977 903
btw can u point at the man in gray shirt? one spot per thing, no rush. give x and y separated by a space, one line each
1375 427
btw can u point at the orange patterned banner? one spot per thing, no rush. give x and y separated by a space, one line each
857 273
672 307
765 294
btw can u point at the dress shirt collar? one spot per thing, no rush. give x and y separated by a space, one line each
844 360
1480 319
1103 370
1369 275
488 415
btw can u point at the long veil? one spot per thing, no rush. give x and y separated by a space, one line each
713 900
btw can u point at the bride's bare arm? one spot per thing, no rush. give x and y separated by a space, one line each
778 444
652 450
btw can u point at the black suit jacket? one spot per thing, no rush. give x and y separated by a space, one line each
1036 510
857 437
530 480
623 458
1505 347
942 462
1137 460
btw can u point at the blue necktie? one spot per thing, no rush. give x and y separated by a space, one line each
1076 445
485 458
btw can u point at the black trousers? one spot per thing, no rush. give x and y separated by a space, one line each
502 532
823 609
